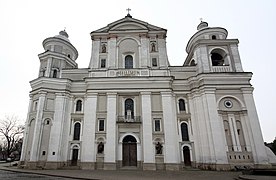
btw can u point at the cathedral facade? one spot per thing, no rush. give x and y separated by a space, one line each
130 108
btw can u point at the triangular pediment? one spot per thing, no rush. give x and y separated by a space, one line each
128 23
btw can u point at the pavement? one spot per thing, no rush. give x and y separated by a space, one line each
189 174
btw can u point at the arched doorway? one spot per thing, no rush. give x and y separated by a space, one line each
129 151
75 155
187 156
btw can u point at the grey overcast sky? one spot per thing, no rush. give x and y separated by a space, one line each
26 23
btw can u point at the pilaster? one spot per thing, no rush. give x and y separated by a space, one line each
94 61
260 156
55 142
148 148
26 131
112 53
110 147
216 127
37 130
163 58
88 148
49 67
144 52
171 147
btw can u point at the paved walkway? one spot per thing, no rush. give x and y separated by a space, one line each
138 174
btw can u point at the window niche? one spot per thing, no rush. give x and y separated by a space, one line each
79 106
103 63
154 62
157 125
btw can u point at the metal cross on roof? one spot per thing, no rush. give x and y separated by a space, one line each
128 10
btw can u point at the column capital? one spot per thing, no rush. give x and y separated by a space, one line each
145 93
111 93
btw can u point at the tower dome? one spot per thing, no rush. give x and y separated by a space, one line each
202 25
63 35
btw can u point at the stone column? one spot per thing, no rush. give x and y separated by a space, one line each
88 153
26 131
260 156
54 154
171 146
37 130
216 129
148 148
110 146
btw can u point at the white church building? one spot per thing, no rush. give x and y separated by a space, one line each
130 108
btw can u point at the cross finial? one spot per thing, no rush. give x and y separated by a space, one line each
201 19
64 28
128 10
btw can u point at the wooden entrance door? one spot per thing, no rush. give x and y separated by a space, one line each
74 161
129 151
187 157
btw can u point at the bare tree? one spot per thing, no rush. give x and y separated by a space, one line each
12 131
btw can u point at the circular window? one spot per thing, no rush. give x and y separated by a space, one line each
228 104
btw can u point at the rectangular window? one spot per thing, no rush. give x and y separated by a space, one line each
101 124
154 62
103 63
157 125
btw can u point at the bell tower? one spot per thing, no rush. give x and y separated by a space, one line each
210 50
59 54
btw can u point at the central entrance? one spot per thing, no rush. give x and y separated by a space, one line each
129 151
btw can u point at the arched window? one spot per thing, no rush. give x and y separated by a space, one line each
79 105
184 132
214 37
129 62
129 109
55 73
76 131
181 104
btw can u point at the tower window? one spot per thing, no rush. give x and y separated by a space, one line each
43 153
217 59
103 63
128 62
214 37
79 105
154 62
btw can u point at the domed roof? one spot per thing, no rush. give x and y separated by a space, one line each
63 35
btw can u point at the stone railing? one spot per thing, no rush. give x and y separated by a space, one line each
222 69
